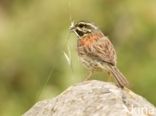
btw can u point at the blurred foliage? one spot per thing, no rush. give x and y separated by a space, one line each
34 35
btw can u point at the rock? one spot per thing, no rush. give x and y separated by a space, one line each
94 98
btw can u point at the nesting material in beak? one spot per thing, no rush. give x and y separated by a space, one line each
72 26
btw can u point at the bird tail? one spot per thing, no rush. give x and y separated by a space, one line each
119 77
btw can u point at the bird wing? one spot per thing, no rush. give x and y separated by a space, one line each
102 50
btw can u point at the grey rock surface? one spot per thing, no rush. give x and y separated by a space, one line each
94 98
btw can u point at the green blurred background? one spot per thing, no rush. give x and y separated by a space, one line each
34 36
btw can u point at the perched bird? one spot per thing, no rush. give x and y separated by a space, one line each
96 51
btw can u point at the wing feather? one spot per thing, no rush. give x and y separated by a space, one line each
102 50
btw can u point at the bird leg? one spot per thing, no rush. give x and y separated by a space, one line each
109 77
88 75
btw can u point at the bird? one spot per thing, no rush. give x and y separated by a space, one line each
96 52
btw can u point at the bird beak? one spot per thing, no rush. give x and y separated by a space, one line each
72 26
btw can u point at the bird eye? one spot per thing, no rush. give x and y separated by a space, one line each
81 25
